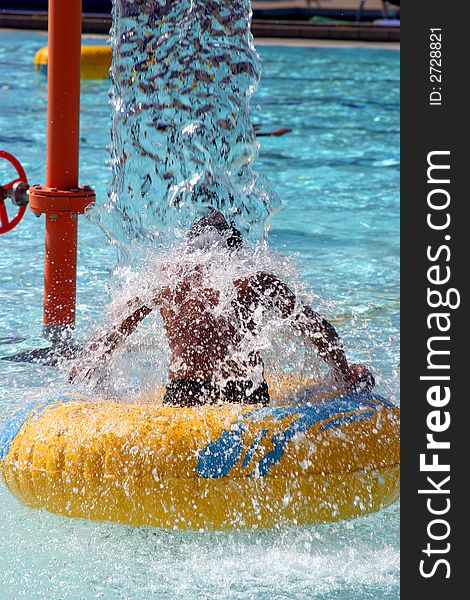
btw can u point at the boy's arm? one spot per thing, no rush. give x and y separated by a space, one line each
100 347
324 337
275 294
330 347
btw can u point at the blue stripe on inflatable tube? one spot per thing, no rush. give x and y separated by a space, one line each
33 409
219 456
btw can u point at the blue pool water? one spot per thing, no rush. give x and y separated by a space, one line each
337 174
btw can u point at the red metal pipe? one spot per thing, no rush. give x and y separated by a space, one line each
63 109
62 152
60 273
61 199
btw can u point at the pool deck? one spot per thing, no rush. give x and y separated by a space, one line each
325 43
292 21
270 41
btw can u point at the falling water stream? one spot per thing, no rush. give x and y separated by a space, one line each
182 139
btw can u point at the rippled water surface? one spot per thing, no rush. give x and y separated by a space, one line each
337 175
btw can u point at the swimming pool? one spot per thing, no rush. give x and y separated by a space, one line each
337 174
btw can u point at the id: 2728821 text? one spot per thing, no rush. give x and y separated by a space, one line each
435 66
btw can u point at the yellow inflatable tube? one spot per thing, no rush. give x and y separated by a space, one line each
95 61
214 467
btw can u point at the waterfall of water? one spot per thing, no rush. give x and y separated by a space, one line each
183 76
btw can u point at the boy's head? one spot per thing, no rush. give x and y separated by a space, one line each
212 229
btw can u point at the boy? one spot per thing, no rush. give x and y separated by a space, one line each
208 363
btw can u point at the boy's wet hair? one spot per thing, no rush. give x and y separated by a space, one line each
216 220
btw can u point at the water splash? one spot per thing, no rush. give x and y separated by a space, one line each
141 362
183 75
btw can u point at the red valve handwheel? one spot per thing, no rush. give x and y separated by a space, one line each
5 223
